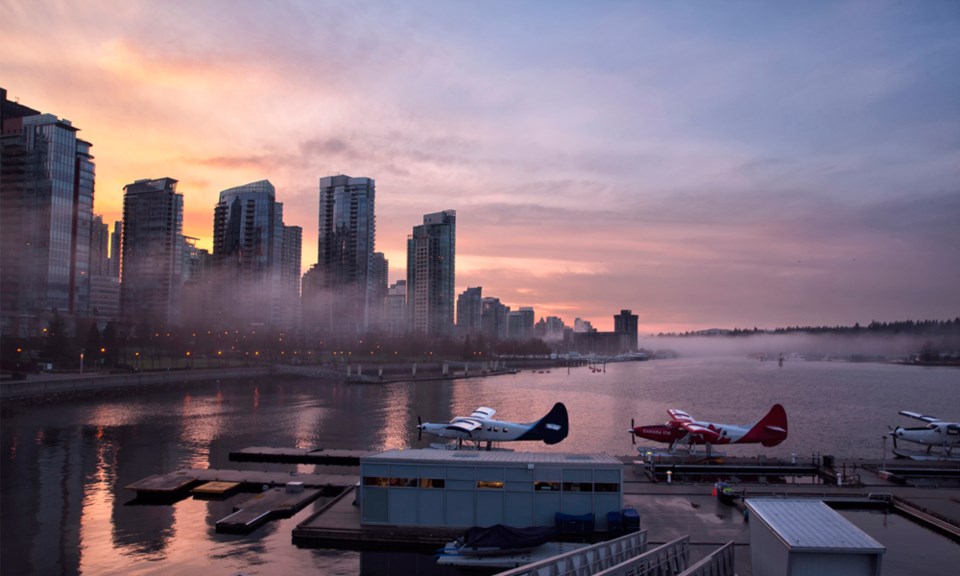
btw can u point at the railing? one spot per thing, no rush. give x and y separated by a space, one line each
666 560
586 561
718 563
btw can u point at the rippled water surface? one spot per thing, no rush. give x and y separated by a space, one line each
65 462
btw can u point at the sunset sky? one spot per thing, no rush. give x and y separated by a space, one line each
704 164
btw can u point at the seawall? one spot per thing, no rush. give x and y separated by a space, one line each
47 385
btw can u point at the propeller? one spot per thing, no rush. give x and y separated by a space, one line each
893 433
419 428
633 433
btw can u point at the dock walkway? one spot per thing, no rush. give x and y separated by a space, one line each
274 503
180 481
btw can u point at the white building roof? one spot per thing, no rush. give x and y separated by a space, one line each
429 455
810 526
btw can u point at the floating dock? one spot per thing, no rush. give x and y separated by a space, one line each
179 482
274 503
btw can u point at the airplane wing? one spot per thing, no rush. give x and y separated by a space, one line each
919 416
702 431
680 415
465 425
483 413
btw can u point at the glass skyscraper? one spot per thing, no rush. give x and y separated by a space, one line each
339 298
247 250
46 202
152 249
431 267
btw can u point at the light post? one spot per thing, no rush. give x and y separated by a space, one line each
81 361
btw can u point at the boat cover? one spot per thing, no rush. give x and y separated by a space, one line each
506 538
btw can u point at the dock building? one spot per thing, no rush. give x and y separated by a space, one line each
463 488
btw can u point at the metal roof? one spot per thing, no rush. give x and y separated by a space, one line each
499 456
811 525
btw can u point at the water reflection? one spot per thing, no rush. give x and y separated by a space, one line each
65 463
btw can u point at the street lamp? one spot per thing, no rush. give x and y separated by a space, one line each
81 361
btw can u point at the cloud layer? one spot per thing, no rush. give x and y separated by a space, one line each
703 166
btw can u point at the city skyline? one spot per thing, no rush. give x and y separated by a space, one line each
745 166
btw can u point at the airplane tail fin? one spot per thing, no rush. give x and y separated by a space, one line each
772 428
552 428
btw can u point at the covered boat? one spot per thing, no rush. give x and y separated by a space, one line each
499 539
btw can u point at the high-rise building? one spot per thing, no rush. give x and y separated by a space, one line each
46 206
338 298
115 238
247 255
379 278
290 277
520 323
197 297
550 328
626 322
469 307
395 308
431 259
152 248
493 318
104 286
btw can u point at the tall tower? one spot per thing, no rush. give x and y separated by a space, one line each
342 292
431 258
247 254
46 206
152 245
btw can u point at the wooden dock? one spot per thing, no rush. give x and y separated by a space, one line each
274 503
178 482
299 456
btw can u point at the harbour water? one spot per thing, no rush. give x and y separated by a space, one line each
65 462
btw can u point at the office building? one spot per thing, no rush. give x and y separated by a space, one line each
395 308
152 252
431 267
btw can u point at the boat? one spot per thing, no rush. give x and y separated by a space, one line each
499 539
501 546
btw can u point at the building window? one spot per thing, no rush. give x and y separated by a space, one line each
432 483
403 482
577 487
496 485
606 487
375 481
546 486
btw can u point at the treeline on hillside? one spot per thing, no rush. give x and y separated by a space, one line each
916 327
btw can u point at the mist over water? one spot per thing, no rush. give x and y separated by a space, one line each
820 346
64 463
